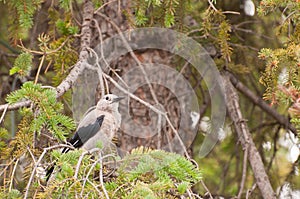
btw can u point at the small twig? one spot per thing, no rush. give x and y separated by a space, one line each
244 172
38 163
212 5
101 176
48 66
178 136
153 108
115 191
81 158
276 137
195 163
105 4
3 114
90 170
119 7
159 137
181 70
43 52
231 12
100 73
195 195
189 191
132 55
31 154
39 69
250 190
206 189
246 22
87 176
289 16
103 58
49 87
96 188
252 32
6 166
12 174
109 162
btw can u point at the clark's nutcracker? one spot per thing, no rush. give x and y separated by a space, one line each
99 124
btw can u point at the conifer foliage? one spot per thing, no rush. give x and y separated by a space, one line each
45 46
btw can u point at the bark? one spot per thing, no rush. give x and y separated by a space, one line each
242 130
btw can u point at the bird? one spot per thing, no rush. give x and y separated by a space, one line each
99 124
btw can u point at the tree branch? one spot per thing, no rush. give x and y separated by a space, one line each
78 68
242 130
262 104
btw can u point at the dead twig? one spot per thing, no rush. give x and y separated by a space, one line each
244 172
37 163
206 189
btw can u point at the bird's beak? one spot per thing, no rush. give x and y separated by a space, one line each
117 99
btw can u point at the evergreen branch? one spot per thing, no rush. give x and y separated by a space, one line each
44 52
78 68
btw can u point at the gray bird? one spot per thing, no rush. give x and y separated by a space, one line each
99 124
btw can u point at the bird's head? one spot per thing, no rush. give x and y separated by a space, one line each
109 102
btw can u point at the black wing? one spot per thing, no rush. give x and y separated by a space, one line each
79 138
84 133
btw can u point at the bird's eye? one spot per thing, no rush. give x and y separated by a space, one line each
107 98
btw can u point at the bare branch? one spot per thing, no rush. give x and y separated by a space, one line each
13 174
81 158
132 55
249 191
3 114
15 106
37 163
262 104
78 68
6 166
244 173
206 189
86 178
105 4
212 5
246 140
101 176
